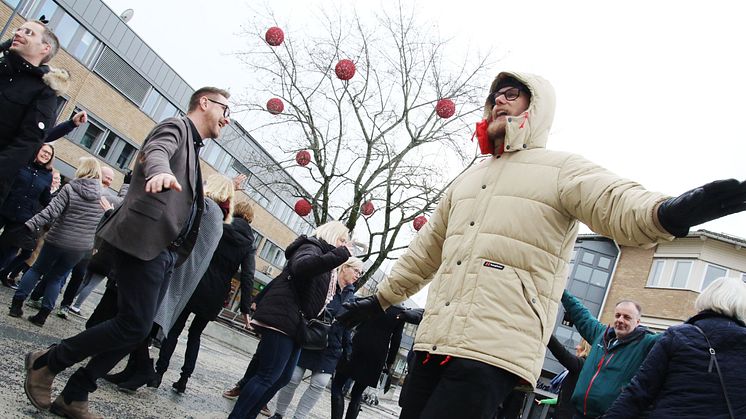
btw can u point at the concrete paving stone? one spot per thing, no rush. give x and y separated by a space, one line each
219 366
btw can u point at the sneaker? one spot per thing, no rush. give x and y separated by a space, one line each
233 393
75 311
34 303
62 312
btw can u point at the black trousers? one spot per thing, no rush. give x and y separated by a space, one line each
140 287
454 388
76 278
193 342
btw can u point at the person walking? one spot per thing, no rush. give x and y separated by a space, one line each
695 370
322 363
155 228
29 193
75 213
235 249
497 278
303 289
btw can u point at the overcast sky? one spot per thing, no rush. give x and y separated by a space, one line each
653 90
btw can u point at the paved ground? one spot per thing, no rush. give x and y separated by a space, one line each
218 367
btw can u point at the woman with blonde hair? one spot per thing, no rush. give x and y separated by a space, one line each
301 291
322 363
568 378
219 193
75 213
697 369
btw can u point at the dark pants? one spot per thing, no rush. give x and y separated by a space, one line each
338 384
76 278
458 388
193 342
276 357
107 306
53 263
140 287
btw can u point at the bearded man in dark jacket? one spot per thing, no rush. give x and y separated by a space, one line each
28 96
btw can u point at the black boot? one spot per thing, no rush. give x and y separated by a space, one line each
125 374
156 381
142 375
40 318
338 406
180 386
16 308
353 410
8 282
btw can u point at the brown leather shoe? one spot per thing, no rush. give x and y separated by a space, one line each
38 383
74 410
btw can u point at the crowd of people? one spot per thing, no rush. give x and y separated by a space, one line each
170 241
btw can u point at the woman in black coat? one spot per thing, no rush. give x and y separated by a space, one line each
235 249
573 363
29 193
322 363
374 349
679 378
303 287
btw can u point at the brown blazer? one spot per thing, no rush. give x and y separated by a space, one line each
146 223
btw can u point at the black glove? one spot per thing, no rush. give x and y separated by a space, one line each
413 316
359 310
128 177
700 205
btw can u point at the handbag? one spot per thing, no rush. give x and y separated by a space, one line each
313 333
714 361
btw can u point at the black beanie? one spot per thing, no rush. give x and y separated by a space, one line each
512 82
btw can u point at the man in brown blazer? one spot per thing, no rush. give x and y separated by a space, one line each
154 229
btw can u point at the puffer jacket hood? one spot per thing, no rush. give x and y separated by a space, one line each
530 129
88 189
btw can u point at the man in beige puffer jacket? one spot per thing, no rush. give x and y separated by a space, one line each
497 251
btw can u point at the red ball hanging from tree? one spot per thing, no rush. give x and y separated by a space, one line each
345 69
303 157
367 208
275 106
445 108
419 221
274 36
303 207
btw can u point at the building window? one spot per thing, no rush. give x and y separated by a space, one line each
104 143
80 43
712 273
681 274
158 107
273 254
655 273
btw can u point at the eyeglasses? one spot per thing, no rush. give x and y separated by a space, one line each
511 94
226 109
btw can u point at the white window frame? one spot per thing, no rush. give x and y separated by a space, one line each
704 273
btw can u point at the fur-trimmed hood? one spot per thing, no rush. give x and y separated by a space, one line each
57 78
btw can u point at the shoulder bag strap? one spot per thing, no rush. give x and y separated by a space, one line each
714 361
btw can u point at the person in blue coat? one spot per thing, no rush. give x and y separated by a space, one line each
322 363
679 378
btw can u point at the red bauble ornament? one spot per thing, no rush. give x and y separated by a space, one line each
345 69
303 157
419 221
445 108
303 207
275 106
367 208
274 36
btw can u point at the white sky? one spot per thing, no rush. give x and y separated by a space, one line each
653 90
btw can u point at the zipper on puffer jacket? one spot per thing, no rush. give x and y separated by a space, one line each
590 384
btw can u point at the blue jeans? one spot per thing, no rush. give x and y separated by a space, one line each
53 263
276 355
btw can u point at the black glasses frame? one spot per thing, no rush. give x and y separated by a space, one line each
511 94
226 108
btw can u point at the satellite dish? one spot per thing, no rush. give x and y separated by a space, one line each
127 15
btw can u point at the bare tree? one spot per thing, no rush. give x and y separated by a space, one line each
376 137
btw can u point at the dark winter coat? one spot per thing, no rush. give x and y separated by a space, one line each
302 285
235 249
75 211
610 365
374 346
675 380
574 364
28 102
28 194
339 341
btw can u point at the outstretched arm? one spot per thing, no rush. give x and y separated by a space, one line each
588 326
